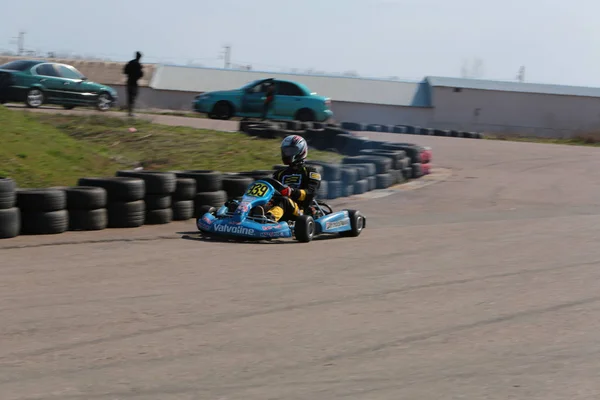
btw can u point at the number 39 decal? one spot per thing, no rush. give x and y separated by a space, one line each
257 190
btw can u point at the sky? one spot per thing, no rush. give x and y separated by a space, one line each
556 41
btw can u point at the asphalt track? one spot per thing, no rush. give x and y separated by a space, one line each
482 286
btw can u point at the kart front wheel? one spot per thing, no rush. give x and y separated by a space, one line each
357 224
304 228
205 209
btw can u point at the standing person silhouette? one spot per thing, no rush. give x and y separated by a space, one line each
133 70
270 97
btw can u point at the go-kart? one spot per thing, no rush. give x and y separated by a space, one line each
238 217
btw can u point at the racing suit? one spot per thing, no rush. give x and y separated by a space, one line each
304 180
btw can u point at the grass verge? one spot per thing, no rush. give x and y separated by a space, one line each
41 149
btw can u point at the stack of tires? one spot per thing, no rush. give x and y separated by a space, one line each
426 155
399 162
125 200
384 175
366 177
10 216
235 185
159 188
43 211
209 188
87 208
259 173
413 151
331 179
183 199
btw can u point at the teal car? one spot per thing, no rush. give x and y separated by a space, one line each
292 101
38 82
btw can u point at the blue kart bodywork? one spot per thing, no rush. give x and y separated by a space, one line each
234 219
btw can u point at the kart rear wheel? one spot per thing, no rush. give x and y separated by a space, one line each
357 224
304 228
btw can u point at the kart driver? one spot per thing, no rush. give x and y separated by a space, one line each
302 181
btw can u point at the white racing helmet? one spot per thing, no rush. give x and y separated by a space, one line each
294 150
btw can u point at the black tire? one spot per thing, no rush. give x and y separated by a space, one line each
305 115
352 126
413 151
159 217
8 195
398 176
44 222
118 188
395 155
223 110
382 164
235 185
372 182
214 199
293 125
183 210
304 228
131 214
323 191
349 175
384 181
36 92
361 186
10 223
85 197
334 190
157 201
417 170
29 200
257 174
407 172
104 102
347 190
369 169
156 182
185 189
405 163
357 223
331 172
206 180
88 220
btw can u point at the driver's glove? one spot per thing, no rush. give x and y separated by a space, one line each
287 191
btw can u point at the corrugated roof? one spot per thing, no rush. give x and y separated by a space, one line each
338 88
506 86
107 73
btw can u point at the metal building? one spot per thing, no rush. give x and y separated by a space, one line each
513 107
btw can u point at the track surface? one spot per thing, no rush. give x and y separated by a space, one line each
484 286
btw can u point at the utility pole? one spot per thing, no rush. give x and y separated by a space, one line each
20 42
226 55
521 74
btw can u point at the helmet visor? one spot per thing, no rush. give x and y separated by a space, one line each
289 151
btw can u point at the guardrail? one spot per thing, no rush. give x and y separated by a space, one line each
131 199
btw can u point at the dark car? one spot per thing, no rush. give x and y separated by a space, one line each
38 82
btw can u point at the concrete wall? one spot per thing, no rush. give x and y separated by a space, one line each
381 114
511 112
159 99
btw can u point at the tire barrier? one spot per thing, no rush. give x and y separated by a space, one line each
410 130
10 216
158 191
131 199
